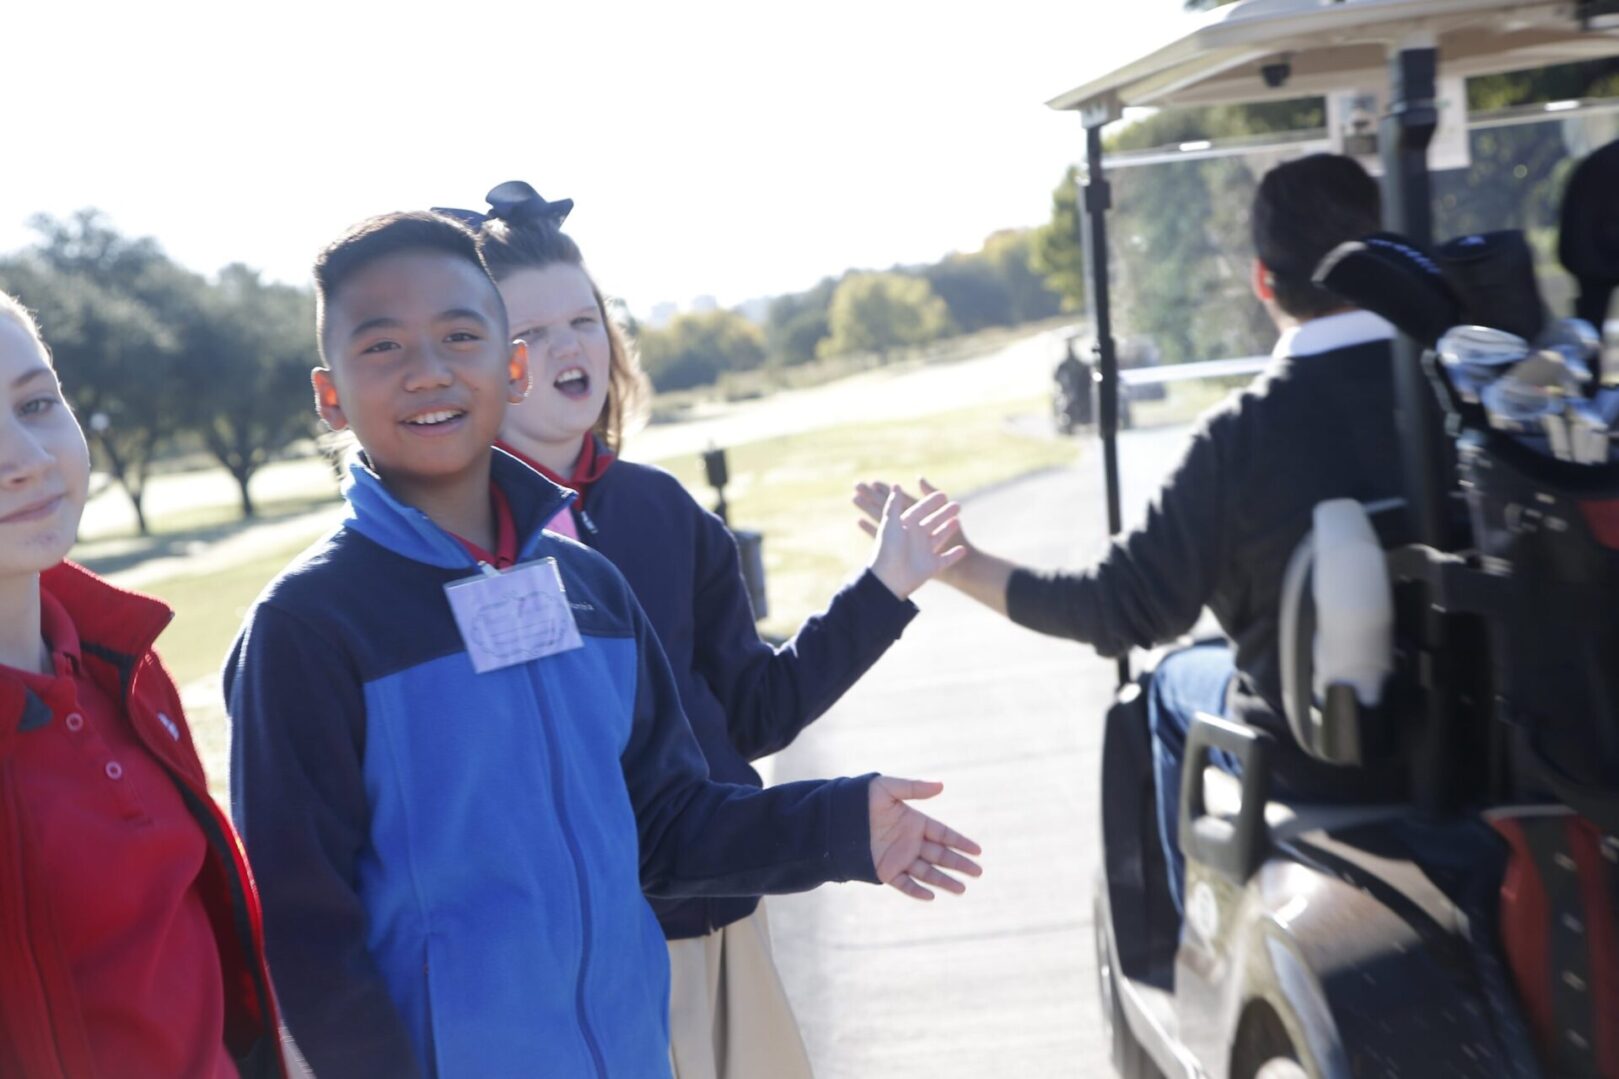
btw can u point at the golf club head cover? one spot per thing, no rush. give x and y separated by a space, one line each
1588 241
1493 273
1388 275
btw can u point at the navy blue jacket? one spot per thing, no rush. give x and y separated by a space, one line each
452 864
744 699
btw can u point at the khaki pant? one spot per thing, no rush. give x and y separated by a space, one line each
728 1015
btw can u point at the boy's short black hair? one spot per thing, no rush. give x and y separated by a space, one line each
381 237
1302 210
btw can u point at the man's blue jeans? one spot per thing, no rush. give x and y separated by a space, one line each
1192 680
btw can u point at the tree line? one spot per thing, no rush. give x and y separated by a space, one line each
156 358
869 312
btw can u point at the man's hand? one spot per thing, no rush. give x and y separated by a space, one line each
973 572
872 498
914 539
910 849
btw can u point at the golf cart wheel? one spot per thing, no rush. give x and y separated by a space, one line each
1281 1068
1130 1060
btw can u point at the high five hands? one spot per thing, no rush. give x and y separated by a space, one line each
915 539
910 849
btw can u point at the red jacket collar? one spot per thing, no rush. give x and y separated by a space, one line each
594 459
505 552
106 616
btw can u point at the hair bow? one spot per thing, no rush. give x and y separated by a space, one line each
516 203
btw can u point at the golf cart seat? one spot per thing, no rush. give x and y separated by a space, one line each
1337 654
1337 633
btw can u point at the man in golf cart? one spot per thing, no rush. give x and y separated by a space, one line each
1318 425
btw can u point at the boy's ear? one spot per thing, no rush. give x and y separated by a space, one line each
1264 284
518 373
326 402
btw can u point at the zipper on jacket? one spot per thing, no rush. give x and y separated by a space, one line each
584 895
217 835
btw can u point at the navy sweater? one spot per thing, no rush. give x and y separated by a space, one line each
1223 527
452 864
744 699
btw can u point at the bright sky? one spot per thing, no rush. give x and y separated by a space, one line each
729 147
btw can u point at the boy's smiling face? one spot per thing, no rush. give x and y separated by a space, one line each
421 368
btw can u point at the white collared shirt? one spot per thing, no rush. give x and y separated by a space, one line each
1331 332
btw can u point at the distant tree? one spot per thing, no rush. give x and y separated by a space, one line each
797 323
1058 251
1561 82
109 306
245 363
996 285
879 312
973 291
1012 252
114 360
695 349
1179 234
85 243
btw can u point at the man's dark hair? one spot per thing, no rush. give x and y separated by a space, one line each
1302 210
384 236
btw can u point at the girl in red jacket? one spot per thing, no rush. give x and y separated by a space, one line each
131 940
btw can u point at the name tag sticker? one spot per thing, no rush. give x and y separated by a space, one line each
515 616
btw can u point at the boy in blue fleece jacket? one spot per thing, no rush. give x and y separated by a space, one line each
453 797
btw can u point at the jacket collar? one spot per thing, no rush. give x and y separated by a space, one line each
106 616
1333 332
376 514
118 625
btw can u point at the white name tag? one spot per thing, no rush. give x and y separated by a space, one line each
515 616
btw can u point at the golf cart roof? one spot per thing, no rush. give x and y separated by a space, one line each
1333 45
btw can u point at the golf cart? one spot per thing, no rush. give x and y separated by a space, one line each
1073 389
1395 939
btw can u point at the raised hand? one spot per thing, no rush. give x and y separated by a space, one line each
973 572
914 540
870 498
909 848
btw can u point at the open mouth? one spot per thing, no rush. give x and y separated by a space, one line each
573 383
438 419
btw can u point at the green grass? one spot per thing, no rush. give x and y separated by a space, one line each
228 518
209 608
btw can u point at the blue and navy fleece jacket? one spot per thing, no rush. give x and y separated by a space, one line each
452 864
744 698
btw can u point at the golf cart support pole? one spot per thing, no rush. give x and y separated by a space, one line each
1097 201
1407 209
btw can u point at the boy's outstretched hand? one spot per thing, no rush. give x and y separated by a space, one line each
914 538
909 848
